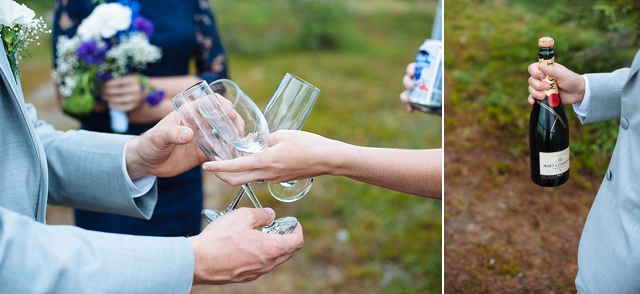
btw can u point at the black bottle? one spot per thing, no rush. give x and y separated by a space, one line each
549 130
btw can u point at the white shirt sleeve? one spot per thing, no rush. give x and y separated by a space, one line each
140 186
581 108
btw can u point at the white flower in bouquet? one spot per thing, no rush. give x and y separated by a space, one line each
66 57
133 50
105 21
69 84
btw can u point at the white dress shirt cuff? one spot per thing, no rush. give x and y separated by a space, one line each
581 108
140 186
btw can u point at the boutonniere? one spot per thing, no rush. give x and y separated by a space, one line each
19 28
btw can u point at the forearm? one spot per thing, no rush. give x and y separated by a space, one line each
37 258
417 172
606 95
171 86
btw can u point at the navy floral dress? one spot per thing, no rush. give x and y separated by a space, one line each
185 30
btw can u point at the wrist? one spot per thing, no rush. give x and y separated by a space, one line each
135 168
198 276
339 163
584 88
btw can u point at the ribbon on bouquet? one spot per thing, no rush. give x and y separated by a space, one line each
119 121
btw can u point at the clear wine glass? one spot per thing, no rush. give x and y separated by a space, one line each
210 142
288 109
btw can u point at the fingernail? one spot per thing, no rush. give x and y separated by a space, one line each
271 212
206 167
183 135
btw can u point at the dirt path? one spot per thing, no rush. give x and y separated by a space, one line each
504 234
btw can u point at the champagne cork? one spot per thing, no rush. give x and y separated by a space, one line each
545 42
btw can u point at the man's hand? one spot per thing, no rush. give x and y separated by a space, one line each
165 150
571 85
231 250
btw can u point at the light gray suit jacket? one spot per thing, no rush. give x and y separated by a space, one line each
84 170
609 252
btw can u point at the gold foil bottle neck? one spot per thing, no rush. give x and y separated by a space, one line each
545 42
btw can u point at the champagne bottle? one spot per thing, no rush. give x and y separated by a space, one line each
549 130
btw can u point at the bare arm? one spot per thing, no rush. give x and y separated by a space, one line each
417 172
297 155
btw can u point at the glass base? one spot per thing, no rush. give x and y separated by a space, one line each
210 215
284 225
290 191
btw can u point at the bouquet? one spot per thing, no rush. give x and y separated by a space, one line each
111 42
18 28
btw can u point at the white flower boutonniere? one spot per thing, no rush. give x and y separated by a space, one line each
18 28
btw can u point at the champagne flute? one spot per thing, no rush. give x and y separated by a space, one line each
288 109
212 145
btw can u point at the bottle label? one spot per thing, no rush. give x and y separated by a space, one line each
552 94
554 163
426 95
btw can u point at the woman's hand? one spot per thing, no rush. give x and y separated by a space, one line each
292 155
124 93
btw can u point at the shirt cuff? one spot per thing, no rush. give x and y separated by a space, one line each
581 108
140 186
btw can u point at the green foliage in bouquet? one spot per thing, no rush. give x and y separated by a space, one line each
82 98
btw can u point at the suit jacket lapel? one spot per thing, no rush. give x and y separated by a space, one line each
34 153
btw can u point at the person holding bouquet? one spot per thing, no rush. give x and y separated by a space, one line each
183 30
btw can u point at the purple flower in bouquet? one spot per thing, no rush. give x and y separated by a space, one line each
92 52
103 77
143 25
154 97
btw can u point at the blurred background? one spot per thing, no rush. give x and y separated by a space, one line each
358 238
504 234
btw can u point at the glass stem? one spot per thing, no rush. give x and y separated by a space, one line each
273 226
234 203
252 196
